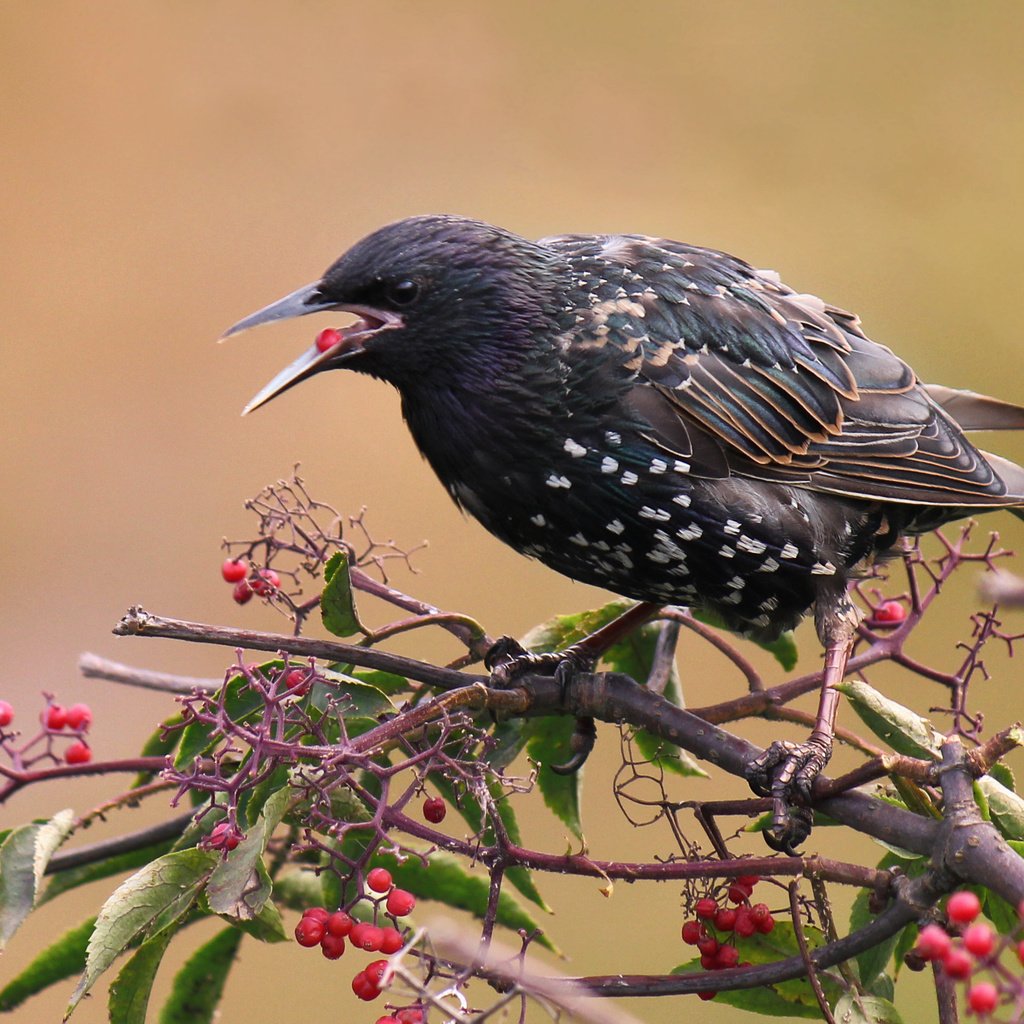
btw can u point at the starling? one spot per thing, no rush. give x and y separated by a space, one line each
661 420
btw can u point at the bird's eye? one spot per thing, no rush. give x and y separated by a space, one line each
403 292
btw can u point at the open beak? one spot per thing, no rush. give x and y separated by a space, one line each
299 303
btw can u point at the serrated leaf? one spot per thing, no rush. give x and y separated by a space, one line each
860 1009
61 959
130 990
1003 774
1005 807
23 859
113 865
764 999
871 962
470 810
153 898
240 884
444 879
634 657
548 743
199 985
353 697
562 630
904 730
337 604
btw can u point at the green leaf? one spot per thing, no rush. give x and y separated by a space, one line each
240 885
358 699
548 742
62 959
904 730
858 1009
267 926
113 865
764 999
337 605
159 744
445 879
386 682
1005 807
470 810
634 657
130 991
872 961
562 630
152 899
199 985
240 701
23 859
783 649
300 889
1003 774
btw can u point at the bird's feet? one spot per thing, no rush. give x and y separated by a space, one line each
508 659
786 772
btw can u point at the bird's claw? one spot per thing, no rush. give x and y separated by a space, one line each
786 772
508 659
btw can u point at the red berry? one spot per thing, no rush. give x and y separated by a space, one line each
392 941
1020 951
400 902
6 713
317 913
223 837
332 946
692 931
410 1015
725 919
379 880
388 1020
309 931
708 961
708 945
749 880
963 907
366 936
727 956
327 338
55 717
932 943
78 716
77 753
706 907
983 997
266 581
299 681
706 995
434 810
242 592
739 893
233 571
375 970
745 923
889 613
365 987
979 939
339 923
957 963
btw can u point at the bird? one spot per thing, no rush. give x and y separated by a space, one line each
661 420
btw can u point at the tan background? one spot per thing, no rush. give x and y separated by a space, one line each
168 168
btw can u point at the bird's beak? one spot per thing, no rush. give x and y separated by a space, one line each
309 299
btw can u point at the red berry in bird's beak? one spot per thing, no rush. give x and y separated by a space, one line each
327 338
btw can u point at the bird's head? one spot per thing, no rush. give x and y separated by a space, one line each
433 295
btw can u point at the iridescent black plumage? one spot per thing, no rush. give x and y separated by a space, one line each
656 418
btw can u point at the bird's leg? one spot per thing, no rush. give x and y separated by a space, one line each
786 771
508 659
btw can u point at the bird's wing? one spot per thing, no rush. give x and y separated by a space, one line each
785 386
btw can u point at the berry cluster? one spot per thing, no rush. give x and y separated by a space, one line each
320 927
975 949
56 722
716 921
249 580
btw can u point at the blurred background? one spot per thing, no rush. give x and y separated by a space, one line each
168 168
